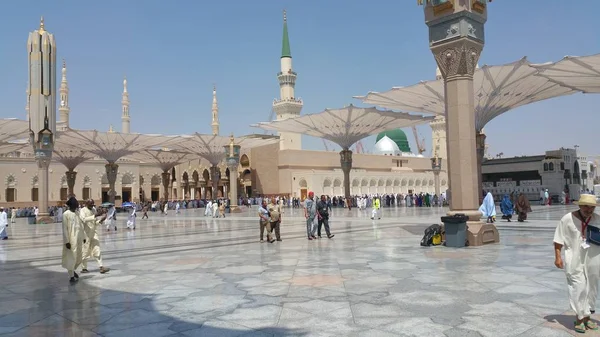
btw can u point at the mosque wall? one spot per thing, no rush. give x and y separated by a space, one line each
20 181
265 169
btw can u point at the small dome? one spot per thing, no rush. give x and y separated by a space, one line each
386 146
398 136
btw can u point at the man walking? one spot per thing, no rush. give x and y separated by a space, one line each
263 216
323 215
275 218
73 239
92 248
310 212
3 224
579 233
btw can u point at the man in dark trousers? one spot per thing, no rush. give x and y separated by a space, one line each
323 215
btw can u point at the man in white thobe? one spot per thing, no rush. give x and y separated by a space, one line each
110 218
208 210
3 224
131 218
582 260
92 247
73 239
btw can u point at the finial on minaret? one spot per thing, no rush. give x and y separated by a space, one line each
284 15
42 28
124 84
110 129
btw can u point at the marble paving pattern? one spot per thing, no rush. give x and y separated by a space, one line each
188 275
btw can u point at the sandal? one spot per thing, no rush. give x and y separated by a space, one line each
591 325
580 327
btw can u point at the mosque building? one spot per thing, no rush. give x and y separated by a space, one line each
278 169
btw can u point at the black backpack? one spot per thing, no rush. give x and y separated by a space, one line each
430 232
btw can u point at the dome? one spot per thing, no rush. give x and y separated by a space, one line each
386 146
398 136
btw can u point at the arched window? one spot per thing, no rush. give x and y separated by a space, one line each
545 167
551 166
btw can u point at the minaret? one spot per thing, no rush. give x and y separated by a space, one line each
125 119
41 50
64 99
27 103
438 130
288 106
215 113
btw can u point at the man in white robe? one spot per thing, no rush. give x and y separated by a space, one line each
215 209
110 218
73 239
3 224
208 210
582 260
177 206
92 247
131 218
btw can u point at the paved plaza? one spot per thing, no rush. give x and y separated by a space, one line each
187 275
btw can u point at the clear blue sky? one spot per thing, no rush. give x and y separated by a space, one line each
173 51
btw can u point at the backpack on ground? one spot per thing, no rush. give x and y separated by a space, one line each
432 231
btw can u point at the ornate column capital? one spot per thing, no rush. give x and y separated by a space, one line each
458 58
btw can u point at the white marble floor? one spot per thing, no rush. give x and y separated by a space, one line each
187 275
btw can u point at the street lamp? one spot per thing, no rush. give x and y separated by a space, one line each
456 39
232 158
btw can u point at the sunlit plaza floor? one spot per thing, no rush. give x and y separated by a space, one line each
187 275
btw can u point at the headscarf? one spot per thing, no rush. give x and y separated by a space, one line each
523 205
488 207
506 206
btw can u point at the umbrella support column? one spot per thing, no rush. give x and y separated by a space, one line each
111 174
71 176
480 147
457 59
215 176
165 176
346 161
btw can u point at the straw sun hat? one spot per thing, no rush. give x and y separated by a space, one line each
587 200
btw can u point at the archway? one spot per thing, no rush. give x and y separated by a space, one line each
207 184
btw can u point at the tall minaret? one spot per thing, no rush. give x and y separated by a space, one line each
125 119
41 50
288 106
438 130
215 113
27 103
64 109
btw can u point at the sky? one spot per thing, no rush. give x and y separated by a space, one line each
172 53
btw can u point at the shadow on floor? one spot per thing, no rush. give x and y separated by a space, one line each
36 302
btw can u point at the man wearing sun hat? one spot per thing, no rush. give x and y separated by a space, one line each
579 233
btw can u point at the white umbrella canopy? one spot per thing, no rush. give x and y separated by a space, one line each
212 147
576 72
12 129
345 126
112 146
165 158
497 89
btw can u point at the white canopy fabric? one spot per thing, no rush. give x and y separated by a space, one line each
12 129
345 126
212 148
70 156
112 146
9 147
498 89
576 72
165 159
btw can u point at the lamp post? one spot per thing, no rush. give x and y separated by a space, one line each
232 152
456 39
436 166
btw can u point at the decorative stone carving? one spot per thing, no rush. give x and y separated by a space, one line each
458 59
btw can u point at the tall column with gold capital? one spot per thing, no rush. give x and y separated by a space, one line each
41 49
346 162
456 38
112 170
232 152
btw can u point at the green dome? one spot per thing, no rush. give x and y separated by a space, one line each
398 136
